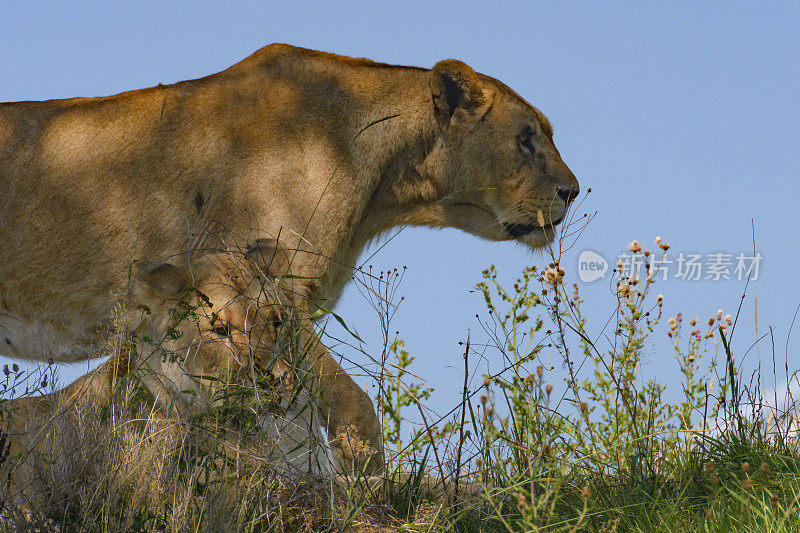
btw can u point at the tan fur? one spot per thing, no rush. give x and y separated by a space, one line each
319 151
267 333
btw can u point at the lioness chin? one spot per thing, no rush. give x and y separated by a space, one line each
320 151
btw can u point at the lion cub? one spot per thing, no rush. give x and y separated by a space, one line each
195 333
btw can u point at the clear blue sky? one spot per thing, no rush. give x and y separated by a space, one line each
683 119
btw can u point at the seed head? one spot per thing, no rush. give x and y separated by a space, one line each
745 467
710 466
586 492
764 467
747 483
487 381
479 462
539 370
484 399
548 389
553 275
729 319
693 322
583 407
522 503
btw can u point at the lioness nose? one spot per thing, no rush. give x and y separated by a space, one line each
567 193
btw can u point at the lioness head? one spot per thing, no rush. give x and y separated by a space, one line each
223 315
493 160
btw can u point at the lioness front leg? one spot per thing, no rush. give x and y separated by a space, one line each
346 410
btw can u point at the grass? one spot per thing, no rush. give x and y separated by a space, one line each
604 452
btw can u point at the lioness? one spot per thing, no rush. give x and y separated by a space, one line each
322 151
228 319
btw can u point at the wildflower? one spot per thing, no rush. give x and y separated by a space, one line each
484 399
714 479
583 407
673 324
548 389
745 467
624 289
586 492
710 466
6 371
15 367
634 246
764 467
487 381
693 322
660 299
658 240
646 253
539 370
490 412
479 462
530 378
729 319
553 275
680 317
691 358
710 321
719 314
748 483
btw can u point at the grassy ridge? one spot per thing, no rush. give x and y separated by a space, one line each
604 452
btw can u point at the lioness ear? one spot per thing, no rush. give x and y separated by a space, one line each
454 86
163 277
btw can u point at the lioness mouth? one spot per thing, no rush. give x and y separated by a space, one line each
520 230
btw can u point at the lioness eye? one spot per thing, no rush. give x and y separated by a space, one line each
223 330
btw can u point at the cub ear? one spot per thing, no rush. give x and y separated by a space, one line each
268 257
162 277
454 86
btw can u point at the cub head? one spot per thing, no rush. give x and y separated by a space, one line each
222 316
496 169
